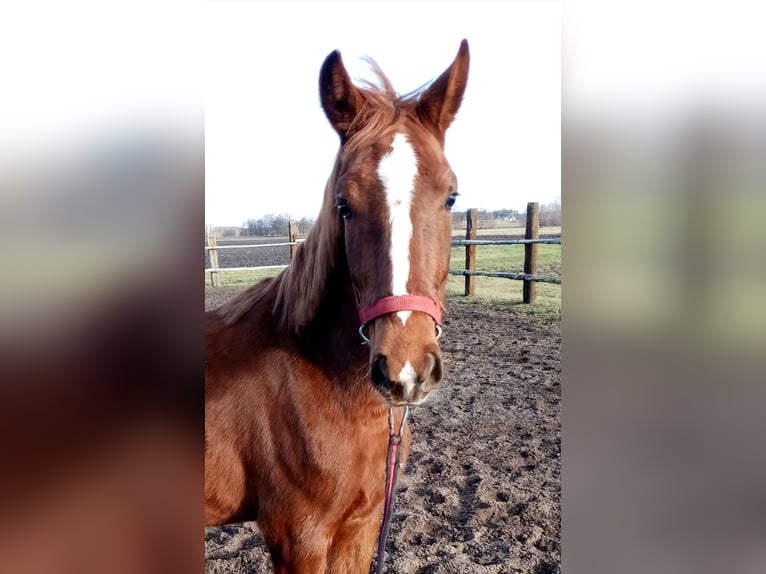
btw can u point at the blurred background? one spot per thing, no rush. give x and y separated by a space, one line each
101 358
664 324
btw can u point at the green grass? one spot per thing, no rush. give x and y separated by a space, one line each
494 292
510 258
242 278
507 293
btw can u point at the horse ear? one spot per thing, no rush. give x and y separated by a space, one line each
440 102
341 100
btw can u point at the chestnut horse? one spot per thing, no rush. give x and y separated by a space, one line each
296 407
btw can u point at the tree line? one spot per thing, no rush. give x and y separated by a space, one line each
549 215
277 225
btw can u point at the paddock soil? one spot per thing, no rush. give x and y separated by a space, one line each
481 491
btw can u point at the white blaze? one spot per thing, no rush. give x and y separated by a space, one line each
397 172
408 377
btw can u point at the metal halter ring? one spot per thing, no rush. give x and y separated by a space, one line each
366 339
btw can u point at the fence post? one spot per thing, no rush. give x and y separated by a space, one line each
530 250
293 238
211 242
470 250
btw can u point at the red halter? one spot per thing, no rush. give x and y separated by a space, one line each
396 303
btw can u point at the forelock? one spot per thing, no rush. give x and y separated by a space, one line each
383 113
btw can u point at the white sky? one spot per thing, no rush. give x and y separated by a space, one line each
70 69
663 57
269 147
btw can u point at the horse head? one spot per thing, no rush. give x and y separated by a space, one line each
393 189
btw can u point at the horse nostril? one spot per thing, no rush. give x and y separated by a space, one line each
379 373
435 368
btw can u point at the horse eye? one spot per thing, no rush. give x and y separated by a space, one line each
450 200
344 209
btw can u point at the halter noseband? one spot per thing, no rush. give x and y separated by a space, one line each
397 303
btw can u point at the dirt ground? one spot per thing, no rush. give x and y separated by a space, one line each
481 491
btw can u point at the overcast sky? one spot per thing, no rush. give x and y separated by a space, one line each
87 67
269 148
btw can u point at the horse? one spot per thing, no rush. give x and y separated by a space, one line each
303 371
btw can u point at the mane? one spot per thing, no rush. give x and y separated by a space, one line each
297 292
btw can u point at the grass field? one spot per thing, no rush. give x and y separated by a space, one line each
495 292
242 278
507 293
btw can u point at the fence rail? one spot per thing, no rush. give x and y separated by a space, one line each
218 247
503 275
459 242
530 242
220 269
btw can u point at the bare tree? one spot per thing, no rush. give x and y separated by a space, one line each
550 214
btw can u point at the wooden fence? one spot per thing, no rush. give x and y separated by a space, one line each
530 242
212 248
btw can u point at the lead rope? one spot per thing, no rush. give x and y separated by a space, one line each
392 463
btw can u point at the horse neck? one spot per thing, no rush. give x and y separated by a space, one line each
316 302
332 336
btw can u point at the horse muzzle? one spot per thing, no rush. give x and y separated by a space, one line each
405 361
409 385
